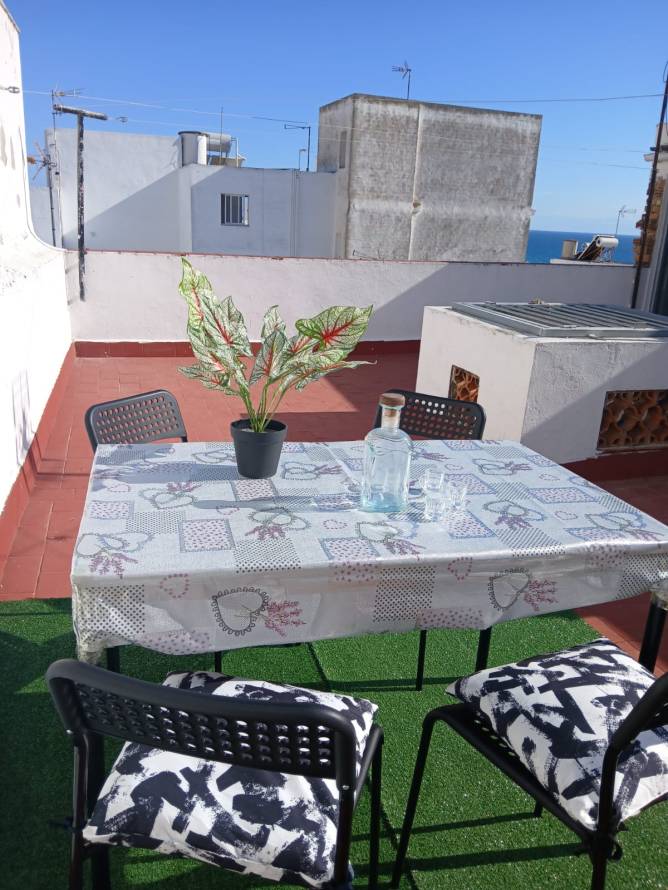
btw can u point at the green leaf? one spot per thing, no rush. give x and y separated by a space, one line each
210 378
271 322
196 290
318 366
225 325
269 357
339 327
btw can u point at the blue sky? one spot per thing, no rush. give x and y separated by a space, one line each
283 60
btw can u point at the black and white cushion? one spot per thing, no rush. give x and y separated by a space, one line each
278 826
558 713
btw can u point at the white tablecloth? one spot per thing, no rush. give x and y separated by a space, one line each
178 553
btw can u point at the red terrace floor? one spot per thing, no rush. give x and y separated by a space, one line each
339 407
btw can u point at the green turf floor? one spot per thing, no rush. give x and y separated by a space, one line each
473 828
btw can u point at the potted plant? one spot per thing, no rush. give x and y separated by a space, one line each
225 361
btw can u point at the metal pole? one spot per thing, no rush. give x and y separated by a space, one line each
408 87
308 151
650 194
80 206
81 245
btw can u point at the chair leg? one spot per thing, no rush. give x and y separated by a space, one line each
218 662
428 728
76 864
538 810
599 863
374 837
483 649
422 651
100 868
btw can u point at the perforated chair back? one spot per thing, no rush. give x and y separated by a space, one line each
304 739
146 417
435 417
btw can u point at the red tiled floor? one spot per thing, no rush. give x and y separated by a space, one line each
338 407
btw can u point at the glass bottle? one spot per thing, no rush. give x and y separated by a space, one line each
387 460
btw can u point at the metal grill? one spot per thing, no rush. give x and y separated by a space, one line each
566 320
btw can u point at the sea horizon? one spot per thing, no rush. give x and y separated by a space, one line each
546 244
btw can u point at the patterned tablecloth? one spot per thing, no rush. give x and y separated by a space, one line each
178 553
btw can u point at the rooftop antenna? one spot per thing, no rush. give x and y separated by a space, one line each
405 71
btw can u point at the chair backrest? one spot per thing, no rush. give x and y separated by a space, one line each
304 739
435 417
146 417
651 712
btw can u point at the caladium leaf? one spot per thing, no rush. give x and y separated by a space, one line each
210 378
339 327
269 357
319 366
225 325
196 289
271 322
216 357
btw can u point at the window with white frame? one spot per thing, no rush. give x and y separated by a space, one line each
234 210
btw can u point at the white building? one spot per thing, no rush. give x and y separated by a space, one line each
167 193
424 181
396 180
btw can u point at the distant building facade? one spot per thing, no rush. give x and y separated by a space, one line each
422 181
167 193
395 179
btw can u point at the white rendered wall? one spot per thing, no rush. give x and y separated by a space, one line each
133 296
138 197
34 321
548 393
131 195
568 385
502 361
290 213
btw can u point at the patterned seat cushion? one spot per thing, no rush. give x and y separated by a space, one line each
270 824
558 712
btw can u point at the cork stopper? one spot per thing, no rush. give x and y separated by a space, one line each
392 400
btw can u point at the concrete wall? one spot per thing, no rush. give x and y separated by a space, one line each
139 197
132 296
335 128
429 182
34 322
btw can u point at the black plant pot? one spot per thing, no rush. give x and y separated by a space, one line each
257 454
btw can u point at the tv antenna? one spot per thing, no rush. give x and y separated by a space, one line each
405 71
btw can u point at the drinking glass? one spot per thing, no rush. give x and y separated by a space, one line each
434 494
456 495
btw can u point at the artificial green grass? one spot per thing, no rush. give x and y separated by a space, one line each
473 827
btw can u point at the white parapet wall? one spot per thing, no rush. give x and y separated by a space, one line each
133 296
548 393
34 321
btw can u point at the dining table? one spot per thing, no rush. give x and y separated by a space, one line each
180 554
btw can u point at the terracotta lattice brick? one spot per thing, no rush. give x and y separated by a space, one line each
464 385
634 419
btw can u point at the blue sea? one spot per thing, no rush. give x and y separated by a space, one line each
544 246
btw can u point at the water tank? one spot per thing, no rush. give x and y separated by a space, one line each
219 143
193 147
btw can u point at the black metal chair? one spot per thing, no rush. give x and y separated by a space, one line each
146 417
435 417
261 737
650 712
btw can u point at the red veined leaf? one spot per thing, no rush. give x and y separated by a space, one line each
339 327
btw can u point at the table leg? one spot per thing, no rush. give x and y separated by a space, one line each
114 659
651 641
